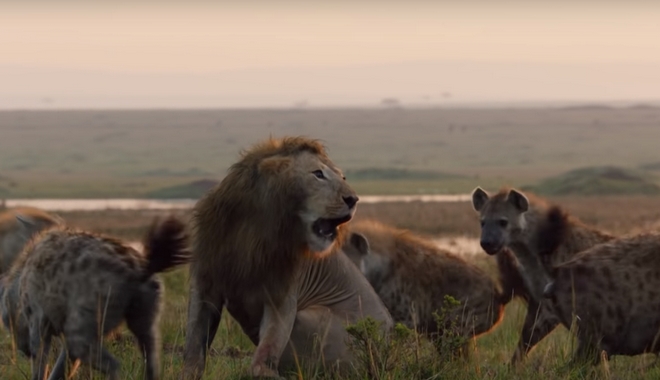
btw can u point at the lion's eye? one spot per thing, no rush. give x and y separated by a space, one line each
318 174
503 223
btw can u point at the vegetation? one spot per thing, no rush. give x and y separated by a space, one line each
405 355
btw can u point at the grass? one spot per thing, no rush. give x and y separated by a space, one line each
230 356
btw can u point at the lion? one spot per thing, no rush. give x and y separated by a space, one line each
412 276
266 245
14 235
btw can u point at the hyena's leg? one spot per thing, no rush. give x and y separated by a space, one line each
539 322
59 369
588 350
40 338
204 313
83 342
142 320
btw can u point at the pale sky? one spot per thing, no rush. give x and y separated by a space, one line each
201 54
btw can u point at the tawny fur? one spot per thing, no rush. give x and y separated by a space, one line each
412 276
82 286
14 235
255 252
519 234
609 290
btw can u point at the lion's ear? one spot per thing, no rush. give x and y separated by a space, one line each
274 165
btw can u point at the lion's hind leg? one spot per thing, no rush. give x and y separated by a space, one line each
318 339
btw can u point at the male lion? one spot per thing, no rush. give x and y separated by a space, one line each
264 247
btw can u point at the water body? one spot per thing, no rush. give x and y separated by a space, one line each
175 204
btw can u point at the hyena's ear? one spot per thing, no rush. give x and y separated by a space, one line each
26 222
518 200
58 219
360 243
479 198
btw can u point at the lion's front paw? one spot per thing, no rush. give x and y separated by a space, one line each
262 370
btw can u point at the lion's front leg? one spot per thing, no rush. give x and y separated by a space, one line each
274 333
203 321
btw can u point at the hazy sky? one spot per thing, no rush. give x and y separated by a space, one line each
188 54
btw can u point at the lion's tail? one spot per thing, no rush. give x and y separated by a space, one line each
165 246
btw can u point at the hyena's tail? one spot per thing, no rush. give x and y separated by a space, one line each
165 246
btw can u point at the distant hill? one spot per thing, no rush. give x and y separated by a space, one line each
195 189
191 190
601 180
395 174
652 166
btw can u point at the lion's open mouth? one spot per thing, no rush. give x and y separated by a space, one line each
327 228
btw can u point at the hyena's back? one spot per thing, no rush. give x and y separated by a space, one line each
78 271
84 285
68 271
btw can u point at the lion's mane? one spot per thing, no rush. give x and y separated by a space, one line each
247 232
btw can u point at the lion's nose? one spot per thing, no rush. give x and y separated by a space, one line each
351 200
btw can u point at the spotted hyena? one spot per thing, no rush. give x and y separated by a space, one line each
412 276
82 285
610 291
510 220
14 235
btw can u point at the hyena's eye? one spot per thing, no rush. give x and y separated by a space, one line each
503 223
482 223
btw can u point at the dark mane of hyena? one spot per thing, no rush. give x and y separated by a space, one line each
552 232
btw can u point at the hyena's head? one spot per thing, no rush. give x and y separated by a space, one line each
502 217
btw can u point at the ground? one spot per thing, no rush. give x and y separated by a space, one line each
451 222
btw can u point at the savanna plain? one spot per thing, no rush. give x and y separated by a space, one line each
92 154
